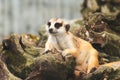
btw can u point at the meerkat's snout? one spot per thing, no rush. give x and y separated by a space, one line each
51 30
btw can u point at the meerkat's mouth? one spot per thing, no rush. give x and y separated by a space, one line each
53 32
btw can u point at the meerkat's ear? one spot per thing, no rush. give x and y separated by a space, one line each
67 27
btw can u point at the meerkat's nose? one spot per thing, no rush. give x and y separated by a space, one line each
50 30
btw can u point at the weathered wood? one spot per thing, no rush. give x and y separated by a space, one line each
103 73
19 53
5 74
52 67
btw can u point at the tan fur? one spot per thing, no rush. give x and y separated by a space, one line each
86 56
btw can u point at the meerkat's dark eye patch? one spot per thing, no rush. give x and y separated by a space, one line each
49 23
58 25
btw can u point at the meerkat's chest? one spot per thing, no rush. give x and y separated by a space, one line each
65 42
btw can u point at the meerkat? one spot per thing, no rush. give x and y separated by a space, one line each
61 39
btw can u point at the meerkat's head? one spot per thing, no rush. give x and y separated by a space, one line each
57 26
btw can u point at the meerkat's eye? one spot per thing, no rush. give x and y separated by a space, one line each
48 24
57 25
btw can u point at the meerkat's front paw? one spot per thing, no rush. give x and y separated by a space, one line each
59 51
66 55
